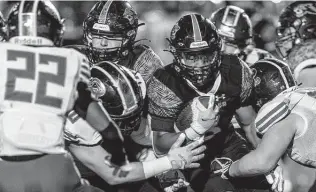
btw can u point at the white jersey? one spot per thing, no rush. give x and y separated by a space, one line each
301 102
38 85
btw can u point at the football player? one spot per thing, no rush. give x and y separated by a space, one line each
286 122
39 85
122 93
200 68
110 29
235 28
3 29
296 40
296 43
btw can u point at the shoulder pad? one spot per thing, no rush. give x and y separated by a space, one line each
147 62
162 101
239 73
271 113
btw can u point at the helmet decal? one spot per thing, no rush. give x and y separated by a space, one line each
196 29
96 87
104 13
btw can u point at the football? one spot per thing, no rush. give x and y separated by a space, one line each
185 117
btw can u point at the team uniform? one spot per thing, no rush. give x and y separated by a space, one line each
38 88
300 155
168 94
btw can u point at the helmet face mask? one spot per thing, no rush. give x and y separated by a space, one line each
115 22
297 23
195 45
197 66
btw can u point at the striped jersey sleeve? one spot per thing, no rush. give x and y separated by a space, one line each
84 73
79 132
270 114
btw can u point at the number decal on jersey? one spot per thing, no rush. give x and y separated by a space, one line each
29 73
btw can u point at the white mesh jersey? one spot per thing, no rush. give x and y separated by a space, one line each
38 85
302 102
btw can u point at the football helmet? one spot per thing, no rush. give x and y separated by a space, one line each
115 21
3 29
36 23
195 45
271 77
297 23
234 26
121 91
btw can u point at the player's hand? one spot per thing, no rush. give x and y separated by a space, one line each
186 156
221 166
176 186
204 117
275 178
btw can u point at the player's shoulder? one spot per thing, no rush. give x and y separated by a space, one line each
273 112
165 87
237 75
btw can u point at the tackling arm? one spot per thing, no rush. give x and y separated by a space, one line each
245 117
273 145
97 159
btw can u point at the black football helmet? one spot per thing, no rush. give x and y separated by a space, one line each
271 77
193 38
297 23
36 23
121 91
234 26
112 20
3 29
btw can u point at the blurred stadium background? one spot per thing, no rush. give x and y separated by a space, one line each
160 16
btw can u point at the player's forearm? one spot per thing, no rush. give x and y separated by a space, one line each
251 134
251 164
164 141
97 117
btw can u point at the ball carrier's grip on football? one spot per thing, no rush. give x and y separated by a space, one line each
204 116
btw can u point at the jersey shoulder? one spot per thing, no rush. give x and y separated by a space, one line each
167 92
273 112
145 61
237 77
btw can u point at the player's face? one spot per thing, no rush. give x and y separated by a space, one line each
106 42
284 43
230 48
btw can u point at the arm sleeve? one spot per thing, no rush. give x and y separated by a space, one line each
163 106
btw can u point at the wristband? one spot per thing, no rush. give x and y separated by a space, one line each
191 134
157 166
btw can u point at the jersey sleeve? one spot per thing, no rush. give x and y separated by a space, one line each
84 94
271 113
163 104
147 62
247 84
84 72
78 132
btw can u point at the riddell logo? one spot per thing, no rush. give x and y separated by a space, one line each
28 41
